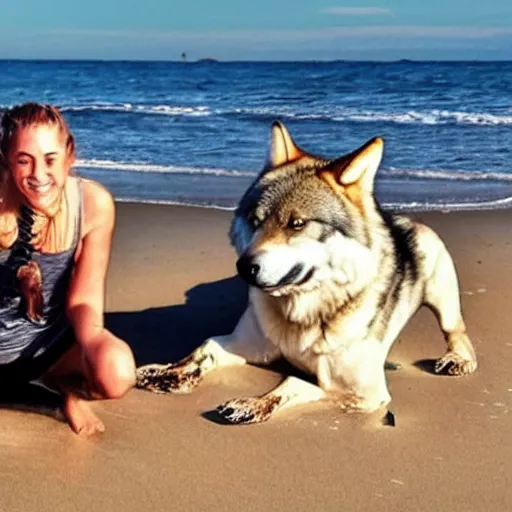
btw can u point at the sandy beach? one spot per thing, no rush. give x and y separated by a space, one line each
171 284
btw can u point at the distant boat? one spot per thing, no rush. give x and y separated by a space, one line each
207 59
184 59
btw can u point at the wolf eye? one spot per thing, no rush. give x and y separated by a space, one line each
296 223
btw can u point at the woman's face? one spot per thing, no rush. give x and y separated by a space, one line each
39 165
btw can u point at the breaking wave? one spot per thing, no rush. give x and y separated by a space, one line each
495 204
400 207
166 110
155 168
440 174
336 113
432 174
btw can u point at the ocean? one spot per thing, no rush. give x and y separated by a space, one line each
197 133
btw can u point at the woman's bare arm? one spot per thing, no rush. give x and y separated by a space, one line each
86 299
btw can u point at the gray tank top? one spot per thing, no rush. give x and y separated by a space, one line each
19 337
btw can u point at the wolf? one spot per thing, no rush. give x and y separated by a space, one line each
332 280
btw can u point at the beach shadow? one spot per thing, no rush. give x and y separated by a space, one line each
32 397
426 365
156 335
169 333
217 418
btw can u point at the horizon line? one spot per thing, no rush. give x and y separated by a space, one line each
214 60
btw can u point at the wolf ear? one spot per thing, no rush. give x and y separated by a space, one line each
282 147
357 168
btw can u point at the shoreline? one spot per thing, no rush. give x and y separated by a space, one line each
415 207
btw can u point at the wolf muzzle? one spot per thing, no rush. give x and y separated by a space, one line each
249 269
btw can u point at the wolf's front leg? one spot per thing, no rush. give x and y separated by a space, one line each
245 345
442 295
292 391
182 377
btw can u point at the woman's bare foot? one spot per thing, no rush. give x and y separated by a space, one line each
80 416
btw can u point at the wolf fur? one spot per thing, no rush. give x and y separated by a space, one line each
332 278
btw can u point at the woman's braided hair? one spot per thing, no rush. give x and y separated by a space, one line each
20 275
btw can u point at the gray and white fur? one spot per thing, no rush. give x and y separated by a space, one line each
333 279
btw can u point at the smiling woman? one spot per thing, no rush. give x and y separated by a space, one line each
38 156
55 238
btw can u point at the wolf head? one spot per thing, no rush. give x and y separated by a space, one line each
307 220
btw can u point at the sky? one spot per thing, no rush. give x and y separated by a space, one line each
256 29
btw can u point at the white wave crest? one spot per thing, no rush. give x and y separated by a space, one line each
432 174
170 202
155 168
402 207
168 110
441 174
496 204
343 114
336 113
431 117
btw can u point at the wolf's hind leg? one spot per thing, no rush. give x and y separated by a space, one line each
442 295
292 391
245 344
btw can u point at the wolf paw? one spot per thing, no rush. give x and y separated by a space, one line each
249 410
168 378
454 364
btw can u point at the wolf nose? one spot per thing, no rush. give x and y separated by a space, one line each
247 270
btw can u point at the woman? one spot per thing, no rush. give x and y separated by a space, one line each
55 240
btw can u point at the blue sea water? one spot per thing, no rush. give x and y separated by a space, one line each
197 133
